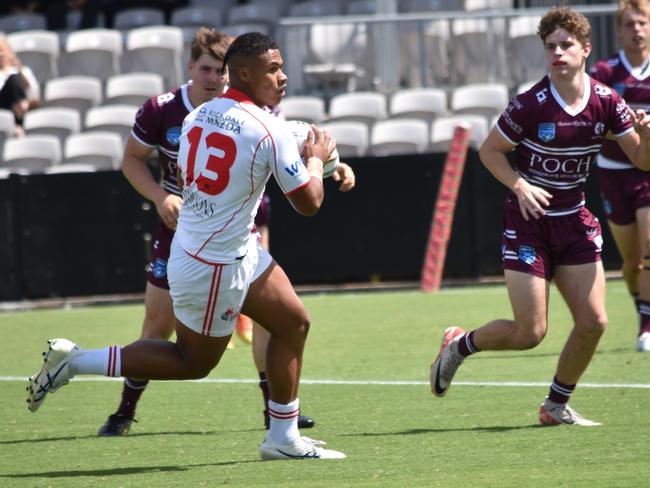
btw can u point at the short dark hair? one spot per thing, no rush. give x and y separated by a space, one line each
211 42
249 44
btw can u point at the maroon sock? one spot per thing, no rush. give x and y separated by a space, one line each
559 392
131 393
644 316
466 345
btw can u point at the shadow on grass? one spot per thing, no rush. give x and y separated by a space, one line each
525 355
93 436
119 471
502 428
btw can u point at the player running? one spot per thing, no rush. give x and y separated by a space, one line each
555 129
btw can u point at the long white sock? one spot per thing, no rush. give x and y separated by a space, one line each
284 421
106 362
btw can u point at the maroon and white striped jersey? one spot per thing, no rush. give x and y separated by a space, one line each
158 125
556 144
633 84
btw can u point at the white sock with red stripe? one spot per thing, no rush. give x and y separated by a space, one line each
283 428
106 362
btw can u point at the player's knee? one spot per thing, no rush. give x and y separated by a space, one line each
530 338
596 325
645 261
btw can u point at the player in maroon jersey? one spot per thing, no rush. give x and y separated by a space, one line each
624 188
555 129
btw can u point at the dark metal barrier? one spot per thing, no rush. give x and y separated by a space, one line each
86 234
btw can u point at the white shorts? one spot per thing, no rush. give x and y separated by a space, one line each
208 296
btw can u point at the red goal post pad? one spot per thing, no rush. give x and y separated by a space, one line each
443 213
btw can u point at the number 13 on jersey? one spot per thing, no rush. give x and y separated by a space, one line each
215 176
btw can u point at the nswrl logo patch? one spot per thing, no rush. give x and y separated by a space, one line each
527 254
546 132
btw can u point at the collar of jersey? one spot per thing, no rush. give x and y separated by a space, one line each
237 96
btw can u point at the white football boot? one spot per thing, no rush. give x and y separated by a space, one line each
54 374
551 413
448 361
643 342
301 448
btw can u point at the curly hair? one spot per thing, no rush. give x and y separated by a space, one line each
563 17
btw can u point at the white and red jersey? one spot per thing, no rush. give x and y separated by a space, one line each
631 83
158 125
228 149
556 145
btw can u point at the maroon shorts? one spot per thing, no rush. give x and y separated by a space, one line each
537 246
624 191
157 269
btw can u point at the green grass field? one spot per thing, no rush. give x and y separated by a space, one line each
395 435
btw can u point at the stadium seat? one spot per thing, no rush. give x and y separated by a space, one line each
133 18
526 50
223 5
112 118
55 121
93 52
420 103
307 108
478 53
424 52
366 107
132 88
32 152
38 49
314 8
487 99
71 168
22 22
338 56
399 136
156 50
197 16
255 13
73 20
78 92
237 30
7 125
442 131
103 150
351 137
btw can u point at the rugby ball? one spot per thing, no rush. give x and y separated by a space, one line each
300 130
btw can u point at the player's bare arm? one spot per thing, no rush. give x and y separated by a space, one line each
345 175
532 199
135 169
308 199
636 145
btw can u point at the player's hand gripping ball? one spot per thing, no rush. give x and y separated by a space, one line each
300 130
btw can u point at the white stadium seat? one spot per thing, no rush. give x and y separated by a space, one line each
487 99
38 49
366 107
55 121
112 118
442 130
103 150
94 52
78 92
420 103
399 136
156 50
351 137
132 88
32 152
307 108
133 18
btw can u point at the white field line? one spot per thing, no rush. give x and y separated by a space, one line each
502 384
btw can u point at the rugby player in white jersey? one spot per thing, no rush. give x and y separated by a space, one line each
229 148
624 188
158 126
555 130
